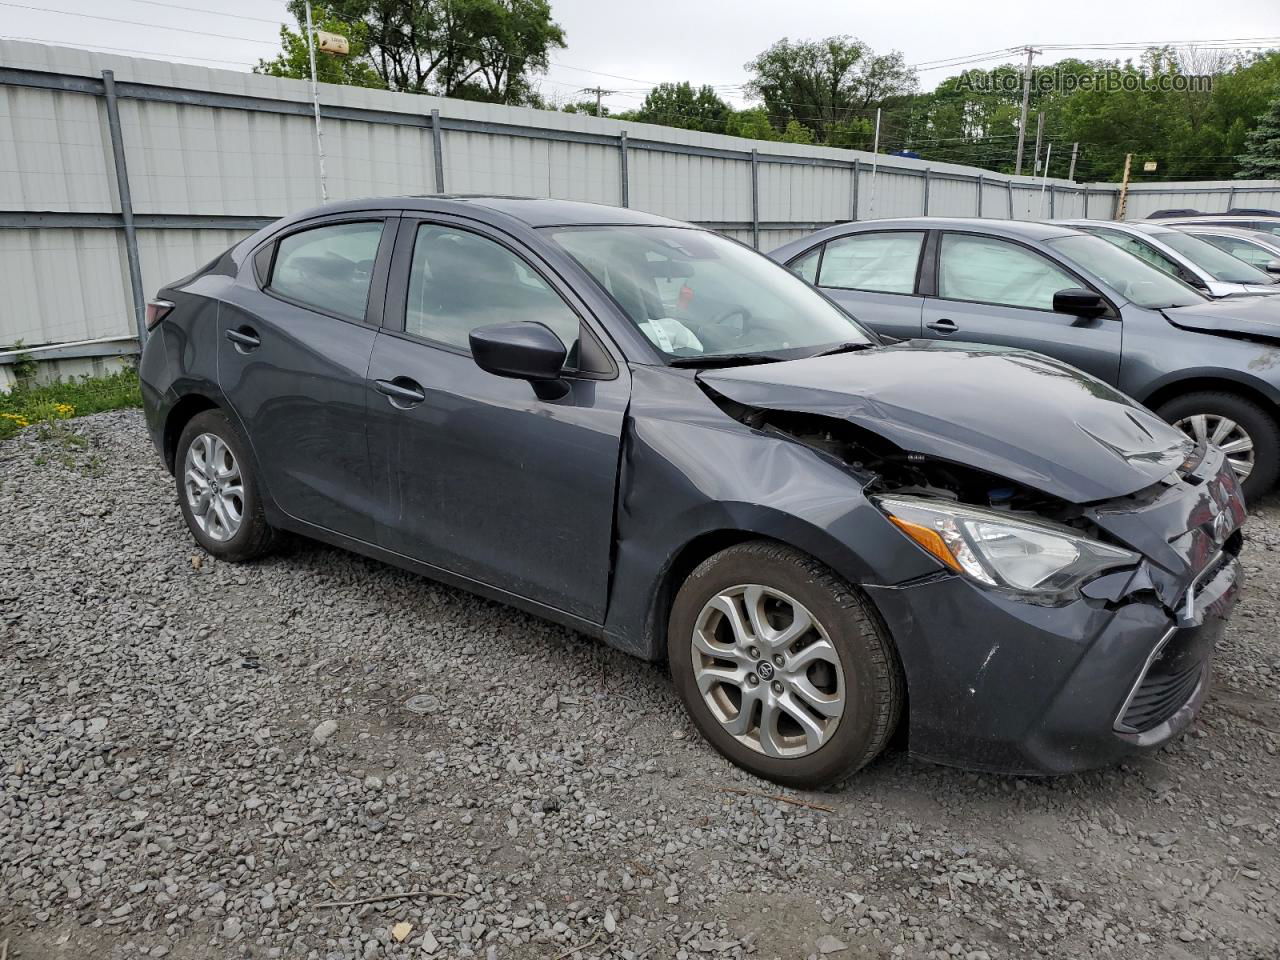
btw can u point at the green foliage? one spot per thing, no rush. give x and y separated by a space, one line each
752 123
487 50
585 106
680 105
1192 134
822 84
1261 157
29 404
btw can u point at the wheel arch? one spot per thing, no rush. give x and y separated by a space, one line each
177 419
1215 381
766 526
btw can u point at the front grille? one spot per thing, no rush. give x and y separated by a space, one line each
1160 696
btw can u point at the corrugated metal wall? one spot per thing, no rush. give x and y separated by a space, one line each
211 154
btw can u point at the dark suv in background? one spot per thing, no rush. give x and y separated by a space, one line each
1212 368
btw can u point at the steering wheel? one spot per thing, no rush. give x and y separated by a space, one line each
722 319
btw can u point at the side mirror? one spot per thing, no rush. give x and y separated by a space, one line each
1273 267
522 351
1079 302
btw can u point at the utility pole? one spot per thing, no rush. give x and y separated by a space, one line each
600 94
315 103
1044 177
1071 171
1026 101
1124 187
1039 136
875 156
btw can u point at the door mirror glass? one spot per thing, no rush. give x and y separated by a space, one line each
525 350
1273 267
1079 302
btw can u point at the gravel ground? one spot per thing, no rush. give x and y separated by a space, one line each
201 760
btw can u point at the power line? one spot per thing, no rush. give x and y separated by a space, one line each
153 53
138 23
217 13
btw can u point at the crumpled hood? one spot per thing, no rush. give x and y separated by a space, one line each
1252 316
1019 415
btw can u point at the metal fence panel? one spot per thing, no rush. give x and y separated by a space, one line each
211 154
62 285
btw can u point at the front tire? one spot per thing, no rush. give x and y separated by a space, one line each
218 491
1247 433
783 666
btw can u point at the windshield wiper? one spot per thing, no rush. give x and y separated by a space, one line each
725 360
848 347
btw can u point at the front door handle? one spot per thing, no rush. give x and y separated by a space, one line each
943 326
402 392
245 339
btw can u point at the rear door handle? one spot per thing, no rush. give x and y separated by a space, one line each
402 392
245 338
943 326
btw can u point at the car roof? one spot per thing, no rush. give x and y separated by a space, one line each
1131 226
1224 218
528 211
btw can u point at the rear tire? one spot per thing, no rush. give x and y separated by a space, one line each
218 490
801 706
1251 422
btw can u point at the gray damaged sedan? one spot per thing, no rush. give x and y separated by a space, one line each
656 436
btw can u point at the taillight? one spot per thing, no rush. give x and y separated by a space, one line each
157 310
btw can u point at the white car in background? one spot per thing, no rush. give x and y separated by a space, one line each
1212 271
1254 247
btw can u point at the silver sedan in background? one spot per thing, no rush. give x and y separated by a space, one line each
1204 266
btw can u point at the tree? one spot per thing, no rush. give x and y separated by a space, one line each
1261 157
294 57
752 123
680 105
476 49
821 83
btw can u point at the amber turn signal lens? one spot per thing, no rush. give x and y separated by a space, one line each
930 540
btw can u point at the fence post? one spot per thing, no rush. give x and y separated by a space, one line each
126 206
437 149
926 191
982 183
622 170
1086 202
755 198
1052 196
1231 198
1009 185
857 172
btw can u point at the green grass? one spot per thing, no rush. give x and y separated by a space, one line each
27 404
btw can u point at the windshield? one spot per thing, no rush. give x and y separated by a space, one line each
696 294
1217 263
1132 278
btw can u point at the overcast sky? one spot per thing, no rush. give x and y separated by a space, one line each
628 46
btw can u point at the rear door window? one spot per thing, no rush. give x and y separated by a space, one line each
879 262
807 266
328 268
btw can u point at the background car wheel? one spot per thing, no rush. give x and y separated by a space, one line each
783 667
217 490
1246 432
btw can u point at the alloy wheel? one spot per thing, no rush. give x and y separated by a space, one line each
1225 433
214 487
768 671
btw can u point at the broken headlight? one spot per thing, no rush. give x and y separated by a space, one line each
997 550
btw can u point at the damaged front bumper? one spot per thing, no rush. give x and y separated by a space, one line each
997 683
